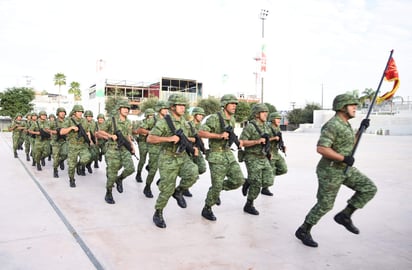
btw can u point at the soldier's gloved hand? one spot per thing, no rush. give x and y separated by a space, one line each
349 160
365 123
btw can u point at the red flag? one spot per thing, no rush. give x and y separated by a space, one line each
391 74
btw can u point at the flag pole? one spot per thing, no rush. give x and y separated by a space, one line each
362 128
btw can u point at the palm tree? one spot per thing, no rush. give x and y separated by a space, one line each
59 79
368 95
75 90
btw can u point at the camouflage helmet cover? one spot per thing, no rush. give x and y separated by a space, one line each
60 109
52 116
149 112
198 110
257 108
88 113
228 99
123 104
33 114
42 113
274 115
19 114
342 100
77 108
161 104
100 115
176 99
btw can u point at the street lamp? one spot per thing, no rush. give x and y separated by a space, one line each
263 15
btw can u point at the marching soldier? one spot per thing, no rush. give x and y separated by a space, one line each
118 155
222 162
94 149
101 143
27 136
58 142
78 137
17 126
143 130
41 148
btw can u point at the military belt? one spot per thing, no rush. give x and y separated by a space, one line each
168 152
261 156
220 149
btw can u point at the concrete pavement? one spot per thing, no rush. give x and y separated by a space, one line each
47 225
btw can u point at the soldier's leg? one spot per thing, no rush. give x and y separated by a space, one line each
63 154
56 158
113 165
188 173
15 144
168 169
127 164
218 172
235 177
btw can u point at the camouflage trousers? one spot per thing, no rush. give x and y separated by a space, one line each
116 159
143 151
222 165
27 144
78 154
17 141
200 162
260 174
153 166
170 167
279 167
41 150
94 152
330 179
59 152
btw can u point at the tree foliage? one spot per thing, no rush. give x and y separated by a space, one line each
16 100
243 110
302 116
59 80
271 107
210 105
75 90
111 104
149 103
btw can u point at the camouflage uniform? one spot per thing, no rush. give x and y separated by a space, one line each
17 136
172 164
101 143
222 162
147 124
199 160
94 149
26 136
339 136
78 150
58 143
117 158
41 148
257 163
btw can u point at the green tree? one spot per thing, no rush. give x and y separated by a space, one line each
210 105
149 103
75 90
367 96
307 113
271 107
354 93
111 104
16 100
295 116
59 80
243 111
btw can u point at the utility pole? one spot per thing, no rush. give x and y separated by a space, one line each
263 15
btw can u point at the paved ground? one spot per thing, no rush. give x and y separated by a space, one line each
47 225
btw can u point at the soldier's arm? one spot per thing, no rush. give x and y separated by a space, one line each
154 139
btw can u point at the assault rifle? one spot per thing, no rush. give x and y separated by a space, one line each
184 144
43 134
229 129
81 132
198 141
121 140
266 145
281 143
59 136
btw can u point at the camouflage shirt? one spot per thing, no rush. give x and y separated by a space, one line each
338 135
213 125
72 136
250 133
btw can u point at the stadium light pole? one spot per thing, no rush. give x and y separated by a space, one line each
262 16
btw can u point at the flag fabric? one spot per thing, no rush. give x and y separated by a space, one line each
391 74
263 59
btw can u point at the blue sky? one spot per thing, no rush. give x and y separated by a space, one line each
342 45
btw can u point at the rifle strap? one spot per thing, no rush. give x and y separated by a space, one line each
273 131
257 128
221 120
170 123
191 128
114 124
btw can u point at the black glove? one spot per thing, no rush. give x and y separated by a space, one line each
365 123
349 160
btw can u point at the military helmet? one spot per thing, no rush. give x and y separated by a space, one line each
228 99
100 115
88 113
19 114
77 108
257 108
176 99
161 104
198 110
42 113
274 115
33 114
123 104
60 109
342 100
149 112
52 116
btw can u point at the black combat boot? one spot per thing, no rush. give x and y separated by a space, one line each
100 156
89 168
15 155
249 208
43 162
49 158
187 193
147 168
83 170
179 198
55 173
207 213
245 187
61 164
305 236
266 191
27 157
78 169
109 197
119 184
158 219
147 191
34 163
139 177
72 183
346 221
38 167
218 201
96 164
